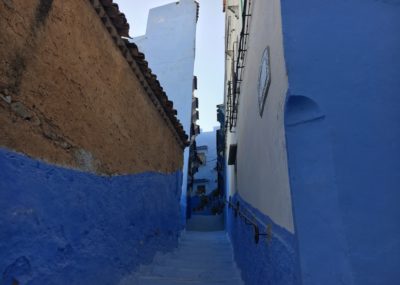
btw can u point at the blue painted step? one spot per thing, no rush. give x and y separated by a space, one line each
202 258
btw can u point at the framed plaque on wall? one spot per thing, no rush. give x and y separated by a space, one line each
264 79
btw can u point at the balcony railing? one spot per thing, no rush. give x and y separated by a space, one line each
238 68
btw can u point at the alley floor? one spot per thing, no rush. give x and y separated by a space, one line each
202 258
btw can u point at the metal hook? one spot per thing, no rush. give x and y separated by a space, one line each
256 234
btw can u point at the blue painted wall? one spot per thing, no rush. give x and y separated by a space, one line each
319 227
61 226
273 262
344 56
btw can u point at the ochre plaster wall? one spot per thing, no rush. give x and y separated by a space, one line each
69 97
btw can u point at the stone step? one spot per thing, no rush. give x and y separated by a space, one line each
204 273
203 243
201 258
211 254
194 263
151 280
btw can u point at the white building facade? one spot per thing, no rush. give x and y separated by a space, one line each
169 45
206 177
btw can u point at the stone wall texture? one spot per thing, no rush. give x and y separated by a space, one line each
68 96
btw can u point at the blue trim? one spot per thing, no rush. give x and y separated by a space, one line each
274 262
62 226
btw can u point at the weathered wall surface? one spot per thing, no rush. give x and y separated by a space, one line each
343 137
61 226
69 96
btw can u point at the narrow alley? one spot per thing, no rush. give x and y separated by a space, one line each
199 142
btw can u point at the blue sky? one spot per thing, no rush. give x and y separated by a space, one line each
209 66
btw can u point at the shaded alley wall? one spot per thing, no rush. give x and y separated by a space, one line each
343 134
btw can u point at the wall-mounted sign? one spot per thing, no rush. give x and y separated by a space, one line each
264 79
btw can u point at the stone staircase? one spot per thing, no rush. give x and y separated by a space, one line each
202 258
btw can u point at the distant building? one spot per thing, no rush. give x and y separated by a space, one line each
205 179
194 160
220 134
169 45
313 140
205 193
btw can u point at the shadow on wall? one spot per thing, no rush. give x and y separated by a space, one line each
301 109
318 224
62 226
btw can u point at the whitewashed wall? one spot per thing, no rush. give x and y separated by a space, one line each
262 171
169 47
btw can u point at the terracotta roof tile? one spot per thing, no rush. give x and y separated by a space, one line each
130 50
118 19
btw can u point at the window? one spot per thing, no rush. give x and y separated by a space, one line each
232 154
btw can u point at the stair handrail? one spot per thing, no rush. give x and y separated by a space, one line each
251 221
